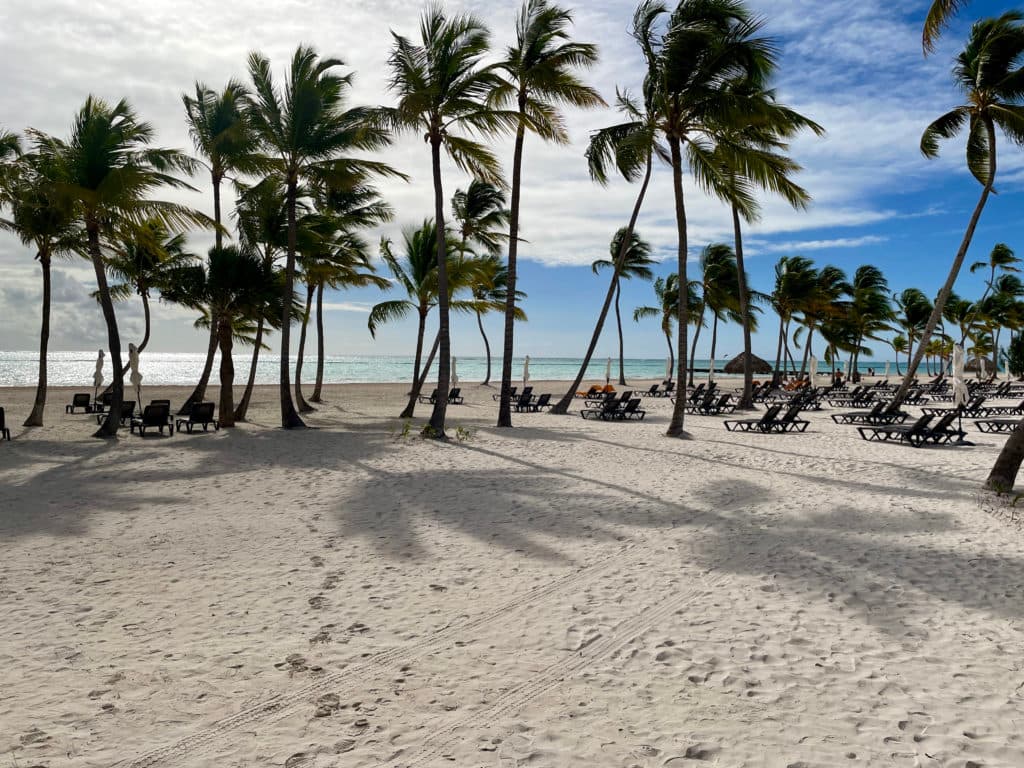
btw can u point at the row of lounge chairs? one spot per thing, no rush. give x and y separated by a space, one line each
615 409
771 421
454 397
156 415
976 408
917 434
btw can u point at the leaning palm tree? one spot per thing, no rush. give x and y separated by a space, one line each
106 170
629 147
899 344
824 301
308 131
490 289
444 91
988 72
665 310
41 218
144 258
795 282
636 263
539 76
718 290
222 137
912 312
869 312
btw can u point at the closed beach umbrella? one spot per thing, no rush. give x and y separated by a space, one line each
526 369
711 369
886 374
135 376
983 368
812 376
608 371
668 369
960 393
97 377
455 376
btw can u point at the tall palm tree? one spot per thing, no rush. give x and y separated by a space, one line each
913 310
107 169
718 290
823 302
870 311
629 147
444 92
665 310
796 280
144 257
539 71
989 72
222 136
308 131
707 47
636 263
41 218
490 289
234 287
899 344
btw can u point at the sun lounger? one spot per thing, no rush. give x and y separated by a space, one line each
606 410
754 425
511 394
431 398
702 406
455 396
156 416
544 401
5 433
591 393
652 392
790 421
998 410
973 407
601 399
631 410
82 400
127 412
200 415
876 416
915 434
997 425
528 404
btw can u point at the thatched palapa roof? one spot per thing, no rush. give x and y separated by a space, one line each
736 364
974 365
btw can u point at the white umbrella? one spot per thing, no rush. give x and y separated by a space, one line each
608 371
711 370
960 393
97 378
526 370
455 376
886 374
812 376
135 377
982 368
668 369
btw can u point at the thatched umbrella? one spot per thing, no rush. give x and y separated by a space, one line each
736 364
975 363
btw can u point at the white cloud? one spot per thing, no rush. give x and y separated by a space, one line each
796 246
346 306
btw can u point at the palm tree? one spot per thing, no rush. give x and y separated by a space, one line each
307 129
539 76
481 215
914 309
629 147
221 134
939 14
709 46
665 310
796 280
106 169
490 289
144 257
42 219
636 263
718 291
823 303
443 90
869 312
899 344
234 288
988 71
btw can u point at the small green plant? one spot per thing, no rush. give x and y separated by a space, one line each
462 434
428 432
405 431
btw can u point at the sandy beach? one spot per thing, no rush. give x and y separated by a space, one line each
567 593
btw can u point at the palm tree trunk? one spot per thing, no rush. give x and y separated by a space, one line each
35 417
746 399
426 366
954 271
677 424
414 393
304 407
243 405
618 321
1004 472
562 406
215 177
289 418
508 347
146 321
693 347
437 416
316 398
714 341
204 379
487 348
113 419
227 375
778 349
671 354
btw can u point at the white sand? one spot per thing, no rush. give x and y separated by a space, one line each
568 593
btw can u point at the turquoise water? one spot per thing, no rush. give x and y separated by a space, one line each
75 369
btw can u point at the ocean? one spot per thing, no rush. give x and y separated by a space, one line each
75 369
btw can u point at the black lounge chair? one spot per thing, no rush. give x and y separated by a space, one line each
605 397
527 404
630 410
974 407
714 407
200 415
102 403
670 387
701 406
915 434
997 425
155 415
998 410
595 391
876 416
455 396
432 398
607 410
544 401
860 396
790 421
511 394
5 433
652 392
82 400
127 412
754 425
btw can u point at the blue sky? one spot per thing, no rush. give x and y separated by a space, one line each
855 68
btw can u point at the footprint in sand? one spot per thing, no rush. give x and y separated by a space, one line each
332 579
299 760
323 636
317 561
317 602
327 705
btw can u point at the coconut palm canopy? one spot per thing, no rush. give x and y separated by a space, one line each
736 364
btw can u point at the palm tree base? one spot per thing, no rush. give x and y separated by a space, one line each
682 435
